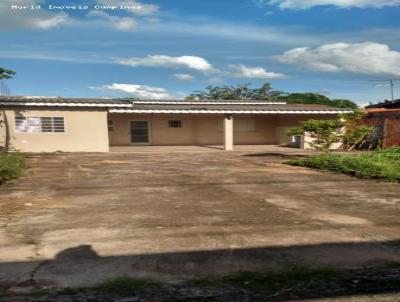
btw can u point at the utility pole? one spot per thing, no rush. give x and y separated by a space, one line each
4 89
391 85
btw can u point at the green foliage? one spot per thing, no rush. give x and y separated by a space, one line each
6 73
314 98
381 165
347 128
239 92
11 166
323 132
296 277
266 92
356 133
126 285
294 131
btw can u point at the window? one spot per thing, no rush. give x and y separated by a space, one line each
175 124
239 125
39 124
110 124
244 125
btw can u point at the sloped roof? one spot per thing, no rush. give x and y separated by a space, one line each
386 104
36 101
173 106
228 108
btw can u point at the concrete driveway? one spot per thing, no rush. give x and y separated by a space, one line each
79 219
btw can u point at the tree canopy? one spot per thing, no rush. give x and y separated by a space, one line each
266 92
314 98
6 73
239 92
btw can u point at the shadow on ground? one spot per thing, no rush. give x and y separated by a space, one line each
368 268
271 154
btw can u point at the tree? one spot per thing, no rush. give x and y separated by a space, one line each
314 98
239 92
266 92
347 128
356 133
323 132
6 74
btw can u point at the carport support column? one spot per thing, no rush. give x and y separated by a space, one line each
228 133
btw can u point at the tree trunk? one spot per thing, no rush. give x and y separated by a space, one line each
7 132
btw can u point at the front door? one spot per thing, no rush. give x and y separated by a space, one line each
140 132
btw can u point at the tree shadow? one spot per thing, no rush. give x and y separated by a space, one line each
83 266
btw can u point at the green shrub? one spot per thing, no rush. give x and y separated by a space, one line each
126 285
380 165
296 277
11 166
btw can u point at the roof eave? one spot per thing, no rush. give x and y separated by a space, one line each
80 105
177 111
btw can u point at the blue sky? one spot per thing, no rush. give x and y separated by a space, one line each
169 48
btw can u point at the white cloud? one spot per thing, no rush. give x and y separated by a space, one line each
306 4
243 71
286 35
119 23
192 62
31 19
184 77
137 91
54 21
134 7
364 58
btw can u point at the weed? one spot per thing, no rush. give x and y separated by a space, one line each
11 166
380 165
126 285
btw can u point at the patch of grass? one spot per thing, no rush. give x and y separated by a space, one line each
126 285
380 165
294 278
11 166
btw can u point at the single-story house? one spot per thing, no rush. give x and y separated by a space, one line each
48 124
385 117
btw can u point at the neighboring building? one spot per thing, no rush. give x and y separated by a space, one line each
385 117
45 124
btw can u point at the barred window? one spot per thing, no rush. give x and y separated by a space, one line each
39 124
175 124
110 125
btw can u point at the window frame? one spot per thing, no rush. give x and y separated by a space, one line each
236 128
112 124
53 122
170 123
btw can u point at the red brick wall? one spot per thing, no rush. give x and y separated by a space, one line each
391 126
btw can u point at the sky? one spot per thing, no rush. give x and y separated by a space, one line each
166 49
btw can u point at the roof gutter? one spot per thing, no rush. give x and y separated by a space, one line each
43 104
174 111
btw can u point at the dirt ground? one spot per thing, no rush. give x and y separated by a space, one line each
80 219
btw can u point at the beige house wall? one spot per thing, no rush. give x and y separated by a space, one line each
85 131
196 130
204 129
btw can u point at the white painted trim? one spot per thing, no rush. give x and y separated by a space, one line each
168 111
208 103
37 104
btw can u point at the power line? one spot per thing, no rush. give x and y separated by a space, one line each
391 85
